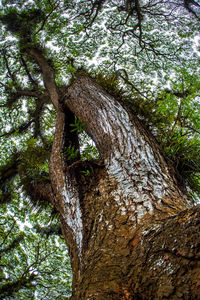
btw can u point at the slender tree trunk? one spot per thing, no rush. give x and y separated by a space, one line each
130 231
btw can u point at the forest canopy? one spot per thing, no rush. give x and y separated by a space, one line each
143 52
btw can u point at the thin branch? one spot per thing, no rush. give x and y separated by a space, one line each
187 4
98 4
14 96
177 116
28 93
126 80
140 17
34 82
8 233
192 129
20 129
45 20
7 66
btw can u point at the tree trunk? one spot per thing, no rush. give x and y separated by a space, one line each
129 226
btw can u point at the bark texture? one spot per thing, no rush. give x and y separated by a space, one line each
127 233
129 227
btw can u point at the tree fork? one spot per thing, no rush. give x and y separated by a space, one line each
132 195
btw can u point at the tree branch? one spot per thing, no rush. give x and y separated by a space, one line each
9 171
126 80
20 129
11 287
14 96
8 67
45 19
48 76
187 5
33 81
39 192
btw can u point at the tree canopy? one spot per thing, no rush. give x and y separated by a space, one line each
144 52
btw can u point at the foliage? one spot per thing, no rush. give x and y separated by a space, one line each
87 146
70 153
77 126
34 261
174 118
37 166
185 153
89 151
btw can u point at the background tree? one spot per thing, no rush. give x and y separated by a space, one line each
132 192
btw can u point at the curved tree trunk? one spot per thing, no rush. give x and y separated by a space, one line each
127 235
129 227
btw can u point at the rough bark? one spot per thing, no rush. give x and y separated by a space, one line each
126 219
129 226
